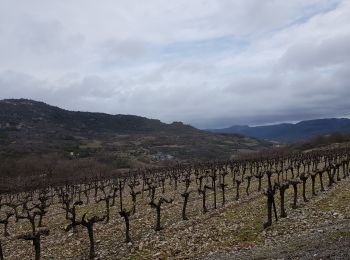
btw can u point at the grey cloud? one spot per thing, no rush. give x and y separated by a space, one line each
254 84
13 85
34 45
73 95
328 52
293 66
116 52
39 37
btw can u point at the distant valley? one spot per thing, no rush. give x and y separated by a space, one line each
30 127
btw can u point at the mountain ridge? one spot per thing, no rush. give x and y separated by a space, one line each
10 110
291 132
28 126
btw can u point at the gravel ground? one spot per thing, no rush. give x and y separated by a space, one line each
332 242
317 229
320 233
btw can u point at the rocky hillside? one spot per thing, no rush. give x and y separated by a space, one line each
28 126
21 113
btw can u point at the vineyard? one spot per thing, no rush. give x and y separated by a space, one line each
185 211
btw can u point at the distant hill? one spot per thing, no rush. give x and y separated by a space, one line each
28 126
33 114
289 133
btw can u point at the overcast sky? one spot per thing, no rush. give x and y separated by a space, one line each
209 63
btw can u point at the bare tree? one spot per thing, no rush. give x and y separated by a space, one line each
89 224
158 206
35 237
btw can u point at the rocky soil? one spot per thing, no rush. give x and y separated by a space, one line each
317 229
329 242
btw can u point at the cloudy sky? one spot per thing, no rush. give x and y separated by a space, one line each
209 63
